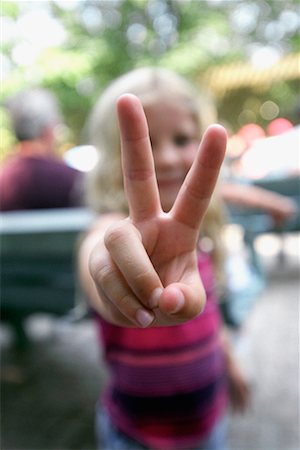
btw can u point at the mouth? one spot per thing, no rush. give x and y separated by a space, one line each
169 183
170 179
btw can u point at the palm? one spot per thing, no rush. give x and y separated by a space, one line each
170 247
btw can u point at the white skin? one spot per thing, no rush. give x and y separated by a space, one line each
141 270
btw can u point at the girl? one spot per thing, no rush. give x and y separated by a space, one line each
142 268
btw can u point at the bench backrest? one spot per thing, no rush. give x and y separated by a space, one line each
38 250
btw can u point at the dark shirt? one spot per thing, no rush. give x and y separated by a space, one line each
36 183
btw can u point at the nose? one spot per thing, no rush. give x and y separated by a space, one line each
165 155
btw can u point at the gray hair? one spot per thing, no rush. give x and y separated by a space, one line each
32 112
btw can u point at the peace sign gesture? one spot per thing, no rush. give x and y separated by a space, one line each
144 267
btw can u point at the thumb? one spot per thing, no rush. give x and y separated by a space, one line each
184 301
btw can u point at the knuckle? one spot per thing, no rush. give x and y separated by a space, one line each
143 282
139 174
143 277
102 272
93 265
197 305
125 305
115 234
106 276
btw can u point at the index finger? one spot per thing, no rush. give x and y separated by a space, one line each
195 193
137 159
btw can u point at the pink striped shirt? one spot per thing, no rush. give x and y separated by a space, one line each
168 385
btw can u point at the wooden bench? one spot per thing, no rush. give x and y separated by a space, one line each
38 269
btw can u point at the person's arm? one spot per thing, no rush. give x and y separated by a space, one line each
142 271
238 386
278 206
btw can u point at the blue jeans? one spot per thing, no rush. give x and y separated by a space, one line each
110 438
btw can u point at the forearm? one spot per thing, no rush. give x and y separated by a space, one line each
227 347
238 387
255 197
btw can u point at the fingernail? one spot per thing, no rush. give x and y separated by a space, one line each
179 301
154 299
144 318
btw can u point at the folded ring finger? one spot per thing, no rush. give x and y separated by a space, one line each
126 248
117 294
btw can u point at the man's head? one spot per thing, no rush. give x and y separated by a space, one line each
33 113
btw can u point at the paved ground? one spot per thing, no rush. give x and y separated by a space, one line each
49 392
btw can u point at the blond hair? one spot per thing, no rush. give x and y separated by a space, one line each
105 191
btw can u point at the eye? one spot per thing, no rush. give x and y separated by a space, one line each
181 140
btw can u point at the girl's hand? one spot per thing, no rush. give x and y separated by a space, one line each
239 389
238 385
145 268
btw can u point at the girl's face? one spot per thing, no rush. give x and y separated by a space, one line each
174 136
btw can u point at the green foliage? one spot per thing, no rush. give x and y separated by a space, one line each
7 139
9 9
106 38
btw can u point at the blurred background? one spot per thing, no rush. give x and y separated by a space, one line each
247 55
246 52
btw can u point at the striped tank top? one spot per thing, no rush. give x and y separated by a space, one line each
167 387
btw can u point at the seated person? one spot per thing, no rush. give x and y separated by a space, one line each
34 177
